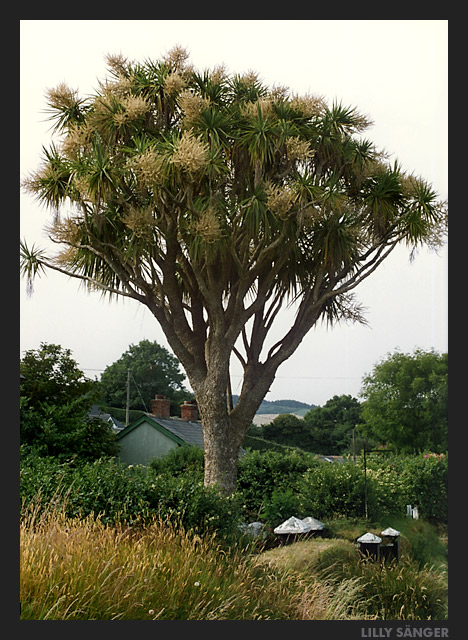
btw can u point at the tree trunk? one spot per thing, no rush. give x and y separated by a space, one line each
221 454
222 439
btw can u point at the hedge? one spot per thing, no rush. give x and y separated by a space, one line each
272 486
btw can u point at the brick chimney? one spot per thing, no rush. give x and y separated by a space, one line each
188 411
160 407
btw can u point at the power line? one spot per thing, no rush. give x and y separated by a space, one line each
236 375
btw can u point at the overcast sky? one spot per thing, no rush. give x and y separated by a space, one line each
394 71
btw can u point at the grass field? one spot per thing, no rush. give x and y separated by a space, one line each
74 569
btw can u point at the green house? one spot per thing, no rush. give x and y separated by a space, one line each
152 436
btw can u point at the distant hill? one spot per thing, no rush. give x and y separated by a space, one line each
281 406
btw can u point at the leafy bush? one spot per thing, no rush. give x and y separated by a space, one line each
420 480
188 502
126 494
280 506
262 472
330 490
182 460
427 485
272 486
42 477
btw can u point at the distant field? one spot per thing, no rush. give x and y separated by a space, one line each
268 410
266 418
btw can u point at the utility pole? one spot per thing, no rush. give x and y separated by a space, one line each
365 478
127 410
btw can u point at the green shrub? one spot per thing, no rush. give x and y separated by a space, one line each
330 490
109 489
427 485
333 489
386 491
119 493
280 506
183 460
262 472
186 501
420 480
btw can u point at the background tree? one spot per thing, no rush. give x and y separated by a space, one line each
213 200
54 405
153 370
290 430
332 425
52 375
406 401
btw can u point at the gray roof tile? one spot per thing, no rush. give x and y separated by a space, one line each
190 432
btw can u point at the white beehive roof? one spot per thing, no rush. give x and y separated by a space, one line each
369 537
293 525
389 531
315 525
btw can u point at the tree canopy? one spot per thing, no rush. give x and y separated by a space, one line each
213 200
332 425
153 370
50 374
54 404
288 429
406 401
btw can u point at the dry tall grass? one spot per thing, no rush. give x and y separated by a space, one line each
84 570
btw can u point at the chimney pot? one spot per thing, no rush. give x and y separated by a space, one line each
160 407
189 411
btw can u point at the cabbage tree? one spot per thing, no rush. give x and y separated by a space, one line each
213 200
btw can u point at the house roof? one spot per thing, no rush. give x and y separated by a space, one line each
96 412
178 430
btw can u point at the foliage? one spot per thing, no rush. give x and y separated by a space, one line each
272 487
280 505
332 489
290 430
332 425
103 541
421 480
54 404
51 375
187 502
263 472
406 401
326 430
213 200
180 461
153 371
125 494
